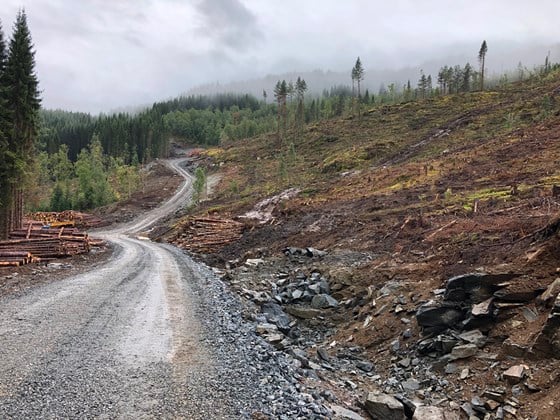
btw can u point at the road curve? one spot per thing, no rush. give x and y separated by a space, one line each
122 341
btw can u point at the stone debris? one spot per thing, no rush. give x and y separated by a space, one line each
515 374
384 407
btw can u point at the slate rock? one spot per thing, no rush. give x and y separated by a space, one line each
344 413
474 337
303 312
364 365
430 315
324 301
463 352
515 374
384 407
475 287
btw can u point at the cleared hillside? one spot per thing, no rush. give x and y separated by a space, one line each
410 195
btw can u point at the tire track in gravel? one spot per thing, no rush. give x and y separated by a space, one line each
118 342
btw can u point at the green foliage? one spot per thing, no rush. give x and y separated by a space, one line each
93 189
199 184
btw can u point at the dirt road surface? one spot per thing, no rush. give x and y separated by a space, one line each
128 340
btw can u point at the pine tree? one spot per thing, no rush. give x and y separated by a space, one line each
481 59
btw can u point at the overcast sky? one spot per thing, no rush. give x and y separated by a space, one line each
97 55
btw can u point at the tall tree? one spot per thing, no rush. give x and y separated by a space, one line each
301 88
5 167
481 59
22 94
357 77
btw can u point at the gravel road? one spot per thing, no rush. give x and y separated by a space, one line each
150 334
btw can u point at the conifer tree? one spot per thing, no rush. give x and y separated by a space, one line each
22 95
482 58
5 185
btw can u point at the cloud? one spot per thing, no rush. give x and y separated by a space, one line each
229 23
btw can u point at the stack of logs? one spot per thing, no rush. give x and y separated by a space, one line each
40 242
67 218
207 235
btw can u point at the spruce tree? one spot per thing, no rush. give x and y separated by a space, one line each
22 95
482 58
5 166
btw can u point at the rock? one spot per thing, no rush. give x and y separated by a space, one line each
450 368
483 308
409 406
513 294
463 352
276 315
547 343
515 374
529 314
474 287
438 317
433 413
324 301
548 296
384 407
254 262
303 312
266 328
344 413
464 374
474 337
496 394
411 385
405 363
365 366
491 405
313 252
510 348
323 354
297 294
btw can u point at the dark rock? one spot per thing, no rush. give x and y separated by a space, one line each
324 301
509 348
365 366
515 295
276 315
409 406
496 394
463 352
312 252
323 354
474 287
442 317
547 343
474 337
384 407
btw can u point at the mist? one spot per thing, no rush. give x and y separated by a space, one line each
96 56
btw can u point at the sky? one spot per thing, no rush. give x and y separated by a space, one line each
100 55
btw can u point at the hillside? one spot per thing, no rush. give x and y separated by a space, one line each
402 198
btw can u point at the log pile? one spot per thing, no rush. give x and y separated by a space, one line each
67 218
38 242
207 235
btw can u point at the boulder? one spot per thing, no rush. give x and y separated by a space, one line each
438 317
276 315
474 287
384 407
323 301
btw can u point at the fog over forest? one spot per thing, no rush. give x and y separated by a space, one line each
97 55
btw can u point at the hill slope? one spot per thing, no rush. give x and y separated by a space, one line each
402 198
